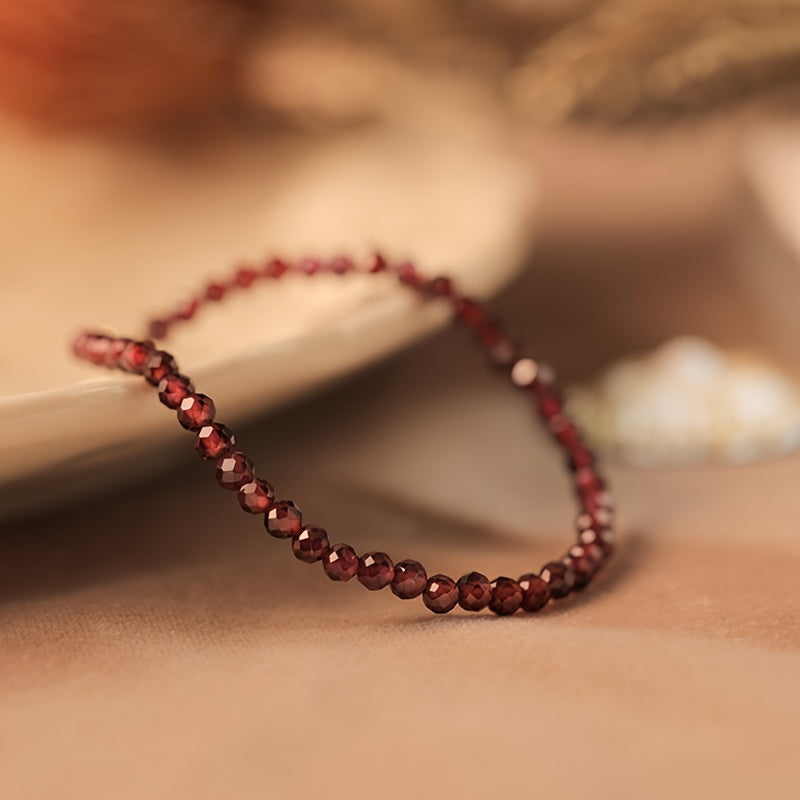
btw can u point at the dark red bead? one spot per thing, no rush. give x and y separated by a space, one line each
375 570
158 328
588 480
158 366
565 431
441 594
535 592
187 309
469 312
560 579
506 596
500 349
214 441
340 562
584 560
550 403
135 356
195 411
602 537
408 275
275 268
377 263
234 470
215 291
474 591
441 286
579 457
283 519
173 389
409 579
341 265
310 544
310 266
245 277
256 496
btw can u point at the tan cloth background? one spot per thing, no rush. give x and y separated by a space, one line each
156 643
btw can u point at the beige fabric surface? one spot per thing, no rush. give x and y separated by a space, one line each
156 643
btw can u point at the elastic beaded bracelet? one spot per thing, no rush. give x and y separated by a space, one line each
283 519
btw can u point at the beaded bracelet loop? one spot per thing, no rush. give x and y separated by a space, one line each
375 570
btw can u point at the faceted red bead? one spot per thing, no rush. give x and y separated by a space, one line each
407 273
214 441
310 266
565 431
187 309
579 457
340 562
409 579
474 591
284 519
469 312
158 366
245 277
506 596
535 592
375 570
310 544
441 594
588 480
560 579
215 291
256 496
135 355
601 537
275 268
196 411
550 403
234 470
158 328
584 560
341 265
173 389
377 263
441 286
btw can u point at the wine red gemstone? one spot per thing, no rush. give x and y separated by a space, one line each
158 328
469 312
196 411
310 544
234 470
341 265
565 431
407 273
215 291
377 263
560 579
409 579
187 309
584 560
550 403
602 537
340 562
214 441
173 389
275 268
256 496
441 594
245 277
310 266
500 349
284 519
375 570
135 356
506 596
579 458
474 591
159 365
535 592
588 480
441 286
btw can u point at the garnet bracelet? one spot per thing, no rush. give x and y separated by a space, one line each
282 518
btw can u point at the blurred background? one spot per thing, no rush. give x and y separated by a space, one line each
617 177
